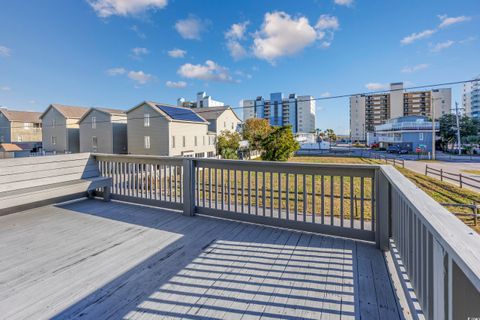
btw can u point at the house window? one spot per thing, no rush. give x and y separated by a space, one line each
53 123
203 140
94 144
420 136
225 124
173 141
196 141
184 141
94 122
146 120
211 154
19 138
146 142
54 140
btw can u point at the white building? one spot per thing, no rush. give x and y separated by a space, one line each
203 101
368 111
297 111
471 98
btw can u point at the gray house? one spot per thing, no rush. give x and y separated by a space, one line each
103 130
166 130
60 129
220 119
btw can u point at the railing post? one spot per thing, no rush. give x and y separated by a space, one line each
383 210
189 187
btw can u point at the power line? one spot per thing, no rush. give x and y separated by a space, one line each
298 100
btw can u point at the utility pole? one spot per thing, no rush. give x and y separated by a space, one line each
458 129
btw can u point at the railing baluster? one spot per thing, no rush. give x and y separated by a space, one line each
175 175
322 189
222 190
279 195
203 186
287 196
362 203
305 203
248 193
256 192
197 180
295 192
341 201
332 200
372 203
352 204
264 189
215 172
229 190
243 191
314 198
271 195
209 187
235 189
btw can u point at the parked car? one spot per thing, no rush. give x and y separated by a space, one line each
393 149
403 151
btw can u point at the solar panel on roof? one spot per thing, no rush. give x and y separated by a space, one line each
180 113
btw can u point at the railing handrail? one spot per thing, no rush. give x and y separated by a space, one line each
460 242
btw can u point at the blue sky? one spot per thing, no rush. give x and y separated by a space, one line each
117 53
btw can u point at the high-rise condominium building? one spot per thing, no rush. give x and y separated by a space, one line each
471 98
368 111
297 111
203 101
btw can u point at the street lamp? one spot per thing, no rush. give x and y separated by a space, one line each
433 124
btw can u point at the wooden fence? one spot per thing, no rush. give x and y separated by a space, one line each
459 178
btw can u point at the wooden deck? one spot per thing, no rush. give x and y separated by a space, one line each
95 260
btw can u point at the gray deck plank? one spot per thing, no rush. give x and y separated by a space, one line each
99 260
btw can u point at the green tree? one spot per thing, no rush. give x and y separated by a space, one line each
330 134
255 130
279 145
227 144
448 128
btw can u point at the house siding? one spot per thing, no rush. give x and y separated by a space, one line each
157 131
5 129
59 131
189 131
103 132
225 121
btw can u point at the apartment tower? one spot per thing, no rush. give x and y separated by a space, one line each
368 111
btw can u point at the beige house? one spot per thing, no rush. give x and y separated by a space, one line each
220 119
60 128
103 130
165 130
20 126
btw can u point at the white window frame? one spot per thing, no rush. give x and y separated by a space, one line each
53 123
146 120
146 142
54 140
420 136
173 142
94 122
196 141
184 141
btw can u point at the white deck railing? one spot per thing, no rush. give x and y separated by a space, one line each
437 252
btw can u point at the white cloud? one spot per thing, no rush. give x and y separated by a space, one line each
138 52
417 36
177 53
325 94
139 33
106 8
5 88
234 35
210 71
236 49
377 86
448 21
237 31
176 85
327 22
191 28
243 74
410 69
140 77
442 45
116 71
344 2
282 35
5 51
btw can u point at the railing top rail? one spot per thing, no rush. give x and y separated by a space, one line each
137 158
356 170
461 242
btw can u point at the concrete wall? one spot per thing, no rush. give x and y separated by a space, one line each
357 118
